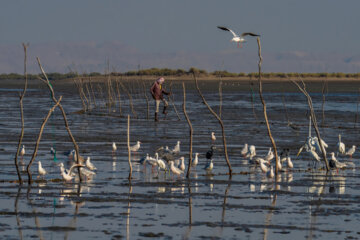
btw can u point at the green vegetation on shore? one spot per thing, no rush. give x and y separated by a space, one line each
181 72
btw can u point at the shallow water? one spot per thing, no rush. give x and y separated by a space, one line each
299 203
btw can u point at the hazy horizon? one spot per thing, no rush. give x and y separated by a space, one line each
304 36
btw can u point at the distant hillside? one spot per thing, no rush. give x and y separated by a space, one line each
93 57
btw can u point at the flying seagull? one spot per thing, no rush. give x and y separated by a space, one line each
239 39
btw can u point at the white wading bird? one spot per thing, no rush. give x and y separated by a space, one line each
213 138
114 148
89 164
41 170
176 149
270 173
209 166
334 163
244 150
341 146
175 170
239 39
351 151
136 147
195 161
182 164
251 153
22 152
67 175
270 155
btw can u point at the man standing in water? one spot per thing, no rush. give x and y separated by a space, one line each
157 92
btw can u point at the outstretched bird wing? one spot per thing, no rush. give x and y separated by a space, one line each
249 33
73 166
228 29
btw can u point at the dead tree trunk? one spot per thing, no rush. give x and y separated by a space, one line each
64 116
128 146
313 119
221 124
220 98
39 139
191 133
25 46
264 109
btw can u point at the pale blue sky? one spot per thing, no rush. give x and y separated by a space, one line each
166 26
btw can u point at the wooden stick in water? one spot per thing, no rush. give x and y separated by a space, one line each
171 97
39 138
25 46
64 117
128 146
221 124
313 119
191 132
264 109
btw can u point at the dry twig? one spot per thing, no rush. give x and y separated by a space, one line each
191 132
264 109
221 124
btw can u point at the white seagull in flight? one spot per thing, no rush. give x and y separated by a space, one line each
239 39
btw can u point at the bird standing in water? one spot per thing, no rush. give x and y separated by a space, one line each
213 137
41 170
114 148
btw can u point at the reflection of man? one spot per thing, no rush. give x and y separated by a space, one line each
157 92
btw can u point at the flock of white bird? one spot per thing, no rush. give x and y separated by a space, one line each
170 160
167 159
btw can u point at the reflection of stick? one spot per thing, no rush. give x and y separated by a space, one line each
39 137
128 146
128 214
190 205
264 109
22 115
37 222
225 200
268 218
17 214
221 124
191 132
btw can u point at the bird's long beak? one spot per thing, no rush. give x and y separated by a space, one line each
300 150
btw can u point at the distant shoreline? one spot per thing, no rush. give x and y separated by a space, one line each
34 83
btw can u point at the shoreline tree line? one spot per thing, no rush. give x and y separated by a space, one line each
182 72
